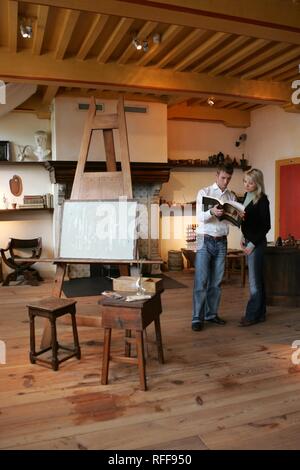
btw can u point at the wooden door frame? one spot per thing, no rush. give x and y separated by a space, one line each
279 164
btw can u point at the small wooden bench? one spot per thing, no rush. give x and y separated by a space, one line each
130 316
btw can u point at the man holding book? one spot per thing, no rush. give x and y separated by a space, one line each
211 250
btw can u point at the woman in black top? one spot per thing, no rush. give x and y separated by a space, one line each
255 226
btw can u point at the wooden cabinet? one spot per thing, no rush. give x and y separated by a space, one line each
282 276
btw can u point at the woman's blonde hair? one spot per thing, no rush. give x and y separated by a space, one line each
256 177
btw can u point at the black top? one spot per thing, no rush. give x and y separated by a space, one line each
256 223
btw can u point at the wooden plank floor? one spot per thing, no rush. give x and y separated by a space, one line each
222 388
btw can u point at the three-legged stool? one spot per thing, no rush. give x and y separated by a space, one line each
53 308
130 316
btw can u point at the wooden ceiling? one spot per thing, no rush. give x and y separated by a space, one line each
243 54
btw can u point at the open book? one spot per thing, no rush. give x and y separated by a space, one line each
232 209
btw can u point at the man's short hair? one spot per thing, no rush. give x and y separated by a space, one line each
226 167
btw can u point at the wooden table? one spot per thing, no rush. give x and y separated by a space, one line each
130 317
232 256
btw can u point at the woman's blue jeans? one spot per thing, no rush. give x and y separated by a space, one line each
256 307
209 271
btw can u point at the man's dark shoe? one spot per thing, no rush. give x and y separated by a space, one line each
261 319
245 322
197 326
218 320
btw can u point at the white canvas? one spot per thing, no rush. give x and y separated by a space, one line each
104 230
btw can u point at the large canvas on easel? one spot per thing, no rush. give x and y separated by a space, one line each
103 230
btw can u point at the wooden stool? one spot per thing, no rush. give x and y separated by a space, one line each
130 316
52 308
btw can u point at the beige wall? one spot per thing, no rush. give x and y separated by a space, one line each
147 133
273 135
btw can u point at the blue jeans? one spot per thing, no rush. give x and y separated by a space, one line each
256 307
209 271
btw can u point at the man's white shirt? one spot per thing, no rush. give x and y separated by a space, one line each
209 224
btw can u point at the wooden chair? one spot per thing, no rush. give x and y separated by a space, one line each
190 256
19 250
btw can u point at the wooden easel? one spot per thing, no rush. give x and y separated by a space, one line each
99 185
110 184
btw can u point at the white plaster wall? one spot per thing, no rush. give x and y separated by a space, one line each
274 135
196 140
19 129
147 133
188 139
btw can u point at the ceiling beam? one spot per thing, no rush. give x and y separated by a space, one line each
45 70
278 22
68 26
238 56
111 95
40 26
180 47
91 37
49 94
294 64
234 44
195 55
259 58
231 118
13 25
273 63
112 42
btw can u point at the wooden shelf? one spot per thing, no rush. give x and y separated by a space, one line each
8 162
18 214
11 211
64 171
189 167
